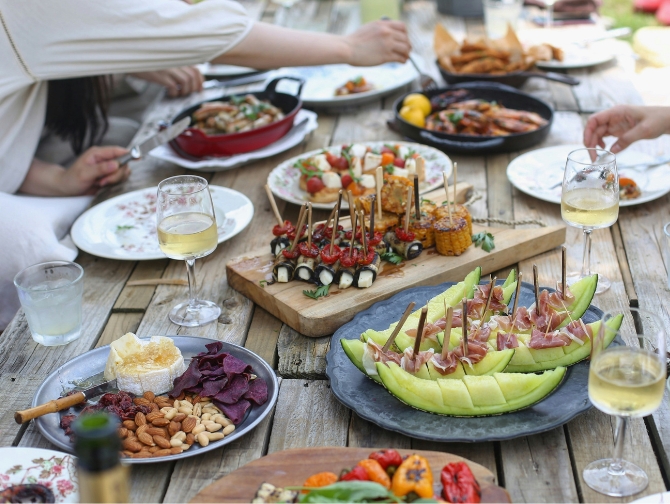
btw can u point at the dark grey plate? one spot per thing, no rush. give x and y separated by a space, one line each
373 403
93 363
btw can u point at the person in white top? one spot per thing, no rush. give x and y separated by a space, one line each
42 41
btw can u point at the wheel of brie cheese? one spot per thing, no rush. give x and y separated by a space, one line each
142 365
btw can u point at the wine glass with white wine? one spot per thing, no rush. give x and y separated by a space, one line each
627 381
187 230
590 200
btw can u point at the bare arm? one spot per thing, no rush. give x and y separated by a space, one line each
270 46
94 169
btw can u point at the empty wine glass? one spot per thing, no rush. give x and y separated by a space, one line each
590 200
627 381
187 230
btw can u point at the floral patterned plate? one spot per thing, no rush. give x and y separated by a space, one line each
124 227
284 179
539 173
52 469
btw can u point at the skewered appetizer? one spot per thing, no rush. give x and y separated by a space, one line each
353 86
452 237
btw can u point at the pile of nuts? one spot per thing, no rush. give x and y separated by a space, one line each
172 426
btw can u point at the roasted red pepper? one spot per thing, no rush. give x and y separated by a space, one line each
291 234
459 484
329 258
406 236
358 473
376 238
364 260
345 260
328 233
307 251
284 229
318 232
388 459
291 254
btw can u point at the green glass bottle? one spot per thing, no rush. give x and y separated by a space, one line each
102 478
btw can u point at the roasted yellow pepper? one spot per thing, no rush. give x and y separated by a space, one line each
413 475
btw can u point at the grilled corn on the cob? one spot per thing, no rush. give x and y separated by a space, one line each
456 211
452 240
422 229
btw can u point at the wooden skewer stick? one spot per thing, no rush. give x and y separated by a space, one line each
157 281
273 205
488 300
408 208
537 289
363 240
379 182
354 222
464 326
395 332
417 200
563 266
309 226
419 331
336 225
516 297
373 210
446 190
447 332
455 181
352 210
298 229
332 214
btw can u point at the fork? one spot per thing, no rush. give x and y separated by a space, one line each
426 81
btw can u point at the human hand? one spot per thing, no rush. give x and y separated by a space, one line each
628 123
180 81
379 42
95 168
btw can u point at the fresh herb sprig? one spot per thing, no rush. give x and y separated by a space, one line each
319 292
392 257
484 240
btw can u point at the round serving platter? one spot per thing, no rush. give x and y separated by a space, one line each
374 403
88 368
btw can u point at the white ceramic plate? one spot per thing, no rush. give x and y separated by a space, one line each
291 139
659 498
284 179
124 227
539 173
578 57
53 469
321 82
225 70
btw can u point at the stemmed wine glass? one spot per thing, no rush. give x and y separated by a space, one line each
626 381
590 200
549 20
187 230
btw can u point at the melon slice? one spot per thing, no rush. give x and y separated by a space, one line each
486 394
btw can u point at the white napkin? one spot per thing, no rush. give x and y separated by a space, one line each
33 230
291 139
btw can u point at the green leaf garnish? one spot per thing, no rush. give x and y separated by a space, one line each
237 100
392 257
484 240
319 292
124 228
427 201
263 283
389 168
456 116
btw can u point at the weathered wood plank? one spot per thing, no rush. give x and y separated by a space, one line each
301 357
263 336
533 476
307 414
138 298
118 325
499 189
366 434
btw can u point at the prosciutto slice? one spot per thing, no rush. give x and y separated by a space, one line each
549 318
445 366
481 333
579 330
520 323
430 331
540 339
378 355
507 340
477 304
412 364
476 352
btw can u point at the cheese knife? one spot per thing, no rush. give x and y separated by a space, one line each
139 150
64 402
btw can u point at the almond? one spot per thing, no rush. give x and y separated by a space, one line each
146 439
149 395
140 419
160 422
197 399
153 406
130 425
154 415
173 428
123 432
162 442
140 400
175 450
157 431
181 396
143 455
141 429
188 424
163 452
131 445
190 439
154 449
179 417
127 453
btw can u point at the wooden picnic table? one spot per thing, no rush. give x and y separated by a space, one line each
540 468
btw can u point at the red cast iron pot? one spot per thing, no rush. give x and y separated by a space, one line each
196 143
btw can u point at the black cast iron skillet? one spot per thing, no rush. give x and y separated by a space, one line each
514 79
478 145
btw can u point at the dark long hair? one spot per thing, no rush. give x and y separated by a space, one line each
77 110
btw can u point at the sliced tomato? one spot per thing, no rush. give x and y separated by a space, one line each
346 180
314 185
399 162
386 150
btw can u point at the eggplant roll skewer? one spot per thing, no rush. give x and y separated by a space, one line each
366 274
278 244
407 249
283 269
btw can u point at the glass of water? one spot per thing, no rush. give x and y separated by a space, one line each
499 15
51 297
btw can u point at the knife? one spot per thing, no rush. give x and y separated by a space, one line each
64 402
137 151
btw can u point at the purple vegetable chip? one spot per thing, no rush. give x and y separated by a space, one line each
258 391
233 365
212 387
190 378
234 391
235 411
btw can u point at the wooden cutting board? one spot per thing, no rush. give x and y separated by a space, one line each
323 316
292 467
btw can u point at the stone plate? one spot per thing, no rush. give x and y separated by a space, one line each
86 371
373 403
